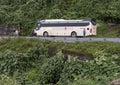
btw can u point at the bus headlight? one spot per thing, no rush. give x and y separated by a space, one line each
37 28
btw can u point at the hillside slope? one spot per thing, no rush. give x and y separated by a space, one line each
34 62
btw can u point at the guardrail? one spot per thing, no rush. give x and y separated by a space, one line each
69 39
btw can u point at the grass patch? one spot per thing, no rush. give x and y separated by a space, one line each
21 45
107 31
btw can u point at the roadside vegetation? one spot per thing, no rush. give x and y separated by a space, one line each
108 31
38 62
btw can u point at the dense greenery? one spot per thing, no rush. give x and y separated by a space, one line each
35 62
27 12
38 65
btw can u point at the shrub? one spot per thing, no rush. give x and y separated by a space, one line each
5 80
50 71
102 67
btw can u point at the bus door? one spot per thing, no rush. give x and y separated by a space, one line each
94 30
93 21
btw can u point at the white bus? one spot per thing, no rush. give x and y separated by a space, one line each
61 27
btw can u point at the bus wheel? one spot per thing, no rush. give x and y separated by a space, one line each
74 34
45 34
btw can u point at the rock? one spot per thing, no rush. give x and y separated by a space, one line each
111 24
115 82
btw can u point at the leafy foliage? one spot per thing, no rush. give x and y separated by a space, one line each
50 71
34 65
27 12
101 68
5 80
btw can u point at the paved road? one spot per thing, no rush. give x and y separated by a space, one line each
69 39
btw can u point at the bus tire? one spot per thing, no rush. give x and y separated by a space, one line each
73 34
45 34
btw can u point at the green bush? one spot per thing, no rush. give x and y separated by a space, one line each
85 82
34 65
37 54
103 66
21 64
50 71
12 62
5 80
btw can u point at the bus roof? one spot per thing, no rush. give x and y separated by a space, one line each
88 19
54 20
62 21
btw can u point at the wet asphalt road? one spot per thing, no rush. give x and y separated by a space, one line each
69 39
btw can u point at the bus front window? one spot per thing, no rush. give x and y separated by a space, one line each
38 26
